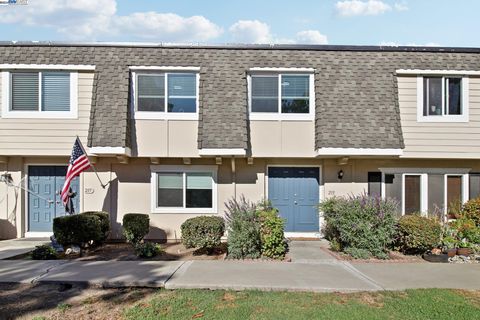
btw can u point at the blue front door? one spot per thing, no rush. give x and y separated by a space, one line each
45 182
294 191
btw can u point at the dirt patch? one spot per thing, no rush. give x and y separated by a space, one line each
372 300
55 301
473 296
395 257
125 252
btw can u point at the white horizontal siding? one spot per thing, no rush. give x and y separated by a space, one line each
438 140
24 137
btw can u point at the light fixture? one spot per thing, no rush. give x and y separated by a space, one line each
340 175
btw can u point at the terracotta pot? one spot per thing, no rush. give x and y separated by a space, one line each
464 251
451 253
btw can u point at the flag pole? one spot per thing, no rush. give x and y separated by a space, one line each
91 165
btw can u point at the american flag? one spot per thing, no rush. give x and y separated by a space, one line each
78 163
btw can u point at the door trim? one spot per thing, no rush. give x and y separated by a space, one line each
27 232
320 192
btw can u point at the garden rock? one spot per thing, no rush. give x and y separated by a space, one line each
72 250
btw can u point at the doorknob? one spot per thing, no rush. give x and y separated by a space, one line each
295 202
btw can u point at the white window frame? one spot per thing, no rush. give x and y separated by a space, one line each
465 188
155 169
279 115
39 114
136 71
423 192
449 117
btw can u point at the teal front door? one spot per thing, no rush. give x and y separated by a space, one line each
45 183
294 191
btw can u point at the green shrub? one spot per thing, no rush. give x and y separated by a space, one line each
204 232
78 229
135 227
44 252
243 229
272 234
465 230
104 222
471 210
417 234
358 253
148 249
361 222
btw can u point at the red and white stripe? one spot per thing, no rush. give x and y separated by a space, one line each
79 165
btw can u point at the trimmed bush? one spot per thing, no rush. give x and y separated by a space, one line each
272 234
204 232
78 229
471 210
243 229
417 234
361 222
148 249
135 227
44 252
104 222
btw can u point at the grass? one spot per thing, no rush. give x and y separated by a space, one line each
410 304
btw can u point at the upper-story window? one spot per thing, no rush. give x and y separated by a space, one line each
443 99
39 94
281 95
166 94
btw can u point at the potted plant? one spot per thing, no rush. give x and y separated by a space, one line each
464 248
450 245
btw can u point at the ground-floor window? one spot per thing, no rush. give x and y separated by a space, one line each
433 192
177 189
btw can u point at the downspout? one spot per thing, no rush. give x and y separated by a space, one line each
234 178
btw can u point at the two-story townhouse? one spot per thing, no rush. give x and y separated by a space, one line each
178 130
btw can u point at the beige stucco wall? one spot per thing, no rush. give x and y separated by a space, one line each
438 140
129 187
49 137
165 138
282 138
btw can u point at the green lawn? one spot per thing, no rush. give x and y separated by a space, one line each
410 304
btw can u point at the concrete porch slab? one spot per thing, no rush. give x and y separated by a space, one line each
392 276
114 273
240 275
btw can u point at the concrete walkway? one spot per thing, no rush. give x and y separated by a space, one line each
311 269
237 275
15 247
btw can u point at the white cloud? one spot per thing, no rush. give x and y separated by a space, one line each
311 37
350 8
401 6
93 19
251 31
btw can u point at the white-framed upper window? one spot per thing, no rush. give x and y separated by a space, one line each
161 94
39 94
286 95
184 189
442 98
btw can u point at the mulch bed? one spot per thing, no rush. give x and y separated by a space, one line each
395 257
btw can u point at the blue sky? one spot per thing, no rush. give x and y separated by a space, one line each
354 22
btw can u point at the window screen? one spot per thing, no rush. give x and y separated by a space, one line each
412 194
199 190
151 93
55 91
454 99
374 183
393 189
24 91
170 190
436 192
454 193
295 94
182 93
474 187
432 96
264 93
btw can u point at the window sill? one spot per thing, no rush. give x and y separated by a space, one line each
443 119
39 115
282 117
185 210
145 115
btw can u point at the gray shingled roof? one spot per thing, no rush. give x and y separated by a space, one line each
356 95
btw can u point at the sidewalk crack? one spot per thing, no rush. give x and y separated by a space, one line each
347 266
47 270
